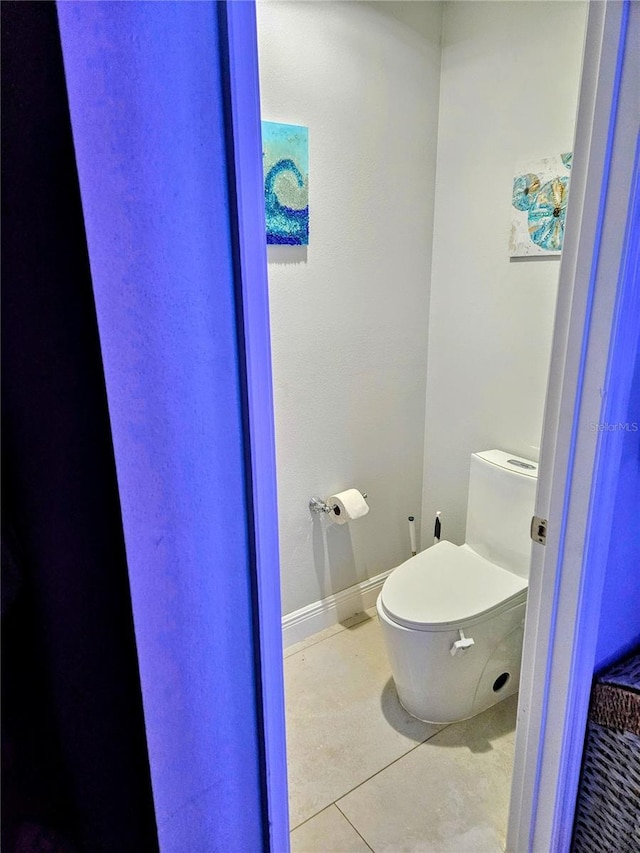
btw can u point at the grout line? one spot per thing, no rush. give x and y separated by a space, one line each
390 764
368 779
335 634
314 643
292 829
373 775
353 827
311 817
307 819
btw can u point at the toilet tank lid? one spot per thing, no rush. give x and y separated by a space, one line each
445 585
509 461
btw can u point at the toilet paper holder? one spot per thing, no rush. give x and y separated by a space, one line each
318 505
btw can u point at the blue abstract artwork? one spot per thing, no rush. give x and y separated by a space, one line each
285 159
539 206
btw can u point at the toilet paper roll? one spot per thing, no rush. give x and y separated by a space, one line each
349 505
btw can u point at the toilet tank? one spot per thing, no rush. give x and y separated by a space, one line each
502 490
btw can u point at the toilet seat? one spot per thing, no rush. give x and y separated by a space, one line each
447 585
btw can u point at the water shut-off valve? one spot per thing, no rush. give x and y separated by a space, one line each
461 645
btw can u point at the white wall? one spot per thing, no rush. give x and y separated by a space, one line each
349 313
509 86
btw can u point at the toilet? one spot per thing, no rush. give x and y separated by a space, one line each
452 617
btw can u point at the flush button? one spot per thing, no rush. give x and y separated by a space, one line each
521 464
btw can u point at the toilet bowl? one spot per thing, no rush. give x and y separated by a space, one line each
452 617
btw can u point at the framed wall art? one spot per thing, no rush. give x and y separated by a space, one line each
285 158
538 206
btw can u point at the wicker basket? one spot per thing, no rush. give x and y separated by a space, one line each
608 807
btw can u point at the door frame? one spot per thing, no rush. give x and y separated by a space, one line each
589 382
240 62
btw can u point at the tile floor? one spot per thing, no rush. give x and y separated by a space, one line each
364 775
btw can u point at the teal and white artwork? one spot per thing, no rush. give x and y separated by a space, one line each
285 158
539 206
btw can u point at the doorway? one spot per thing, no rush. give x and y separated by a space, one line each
442 379
441 342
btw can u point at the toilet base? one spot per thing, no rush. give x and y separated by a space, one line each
436 687
461 719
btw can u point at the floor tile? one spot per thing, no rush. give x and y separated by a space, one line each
344 721
311 641
327 632
327 832
449 795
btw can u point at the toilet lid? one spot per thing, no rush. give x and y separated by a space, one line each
447 584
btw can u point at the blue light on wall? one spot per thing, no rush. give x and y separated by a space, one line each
147 105
620 610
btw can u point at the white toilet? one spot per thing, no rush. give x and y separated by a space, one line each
453 616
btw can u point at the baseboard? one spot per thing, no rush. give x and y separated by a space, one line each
300 624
